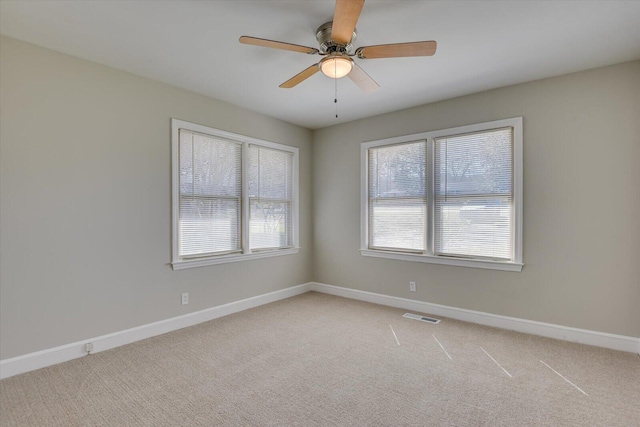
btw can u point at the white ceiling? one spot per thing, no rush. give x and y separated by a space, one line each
194 45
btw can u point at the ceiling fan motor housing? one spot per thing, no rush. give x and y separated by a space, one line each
327 45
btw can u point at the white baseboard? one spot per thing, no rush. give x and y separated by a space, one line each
52 356
583 336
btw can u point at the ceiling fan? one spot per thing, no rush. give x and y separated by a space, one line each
336 44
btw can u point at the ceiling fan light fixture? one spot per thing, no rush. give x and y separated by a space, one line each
336 66
335 39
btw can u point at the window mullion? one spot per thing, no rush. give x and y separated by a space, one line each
430 217
244 206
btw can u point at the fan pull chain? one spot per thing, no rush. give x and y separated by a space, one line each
335 99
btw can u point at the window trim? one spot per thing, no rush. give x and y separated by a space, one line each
514 265
179 263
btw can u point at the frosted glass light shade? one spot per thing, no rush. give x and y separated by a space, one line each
336 66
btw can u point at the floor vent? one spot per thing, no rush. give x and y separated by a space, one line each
421 318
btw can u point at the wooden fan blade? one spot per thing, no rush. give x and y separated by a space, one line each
397 50
277 45
300 77
345 17
362 79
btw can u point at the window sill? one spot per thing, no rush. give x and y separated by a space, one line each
486 264
223 259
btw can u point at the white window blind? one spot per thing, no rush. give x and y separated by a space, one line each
270 198
234 197
448 196
397 197
210 200
473 195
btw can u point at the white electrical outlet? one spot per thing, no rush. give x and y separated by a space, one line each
185 298
88 347
412 286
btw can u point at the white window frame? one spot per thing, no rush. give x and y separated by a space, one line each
179 263
515 264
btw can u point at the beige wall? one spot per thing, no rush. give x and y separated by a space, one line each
581 204
85 202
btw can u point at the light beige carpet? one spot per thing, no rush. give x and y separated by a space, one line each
319 360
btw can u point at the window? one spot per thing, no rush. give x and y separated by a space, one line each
449 197
234 197
270 198
397 197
